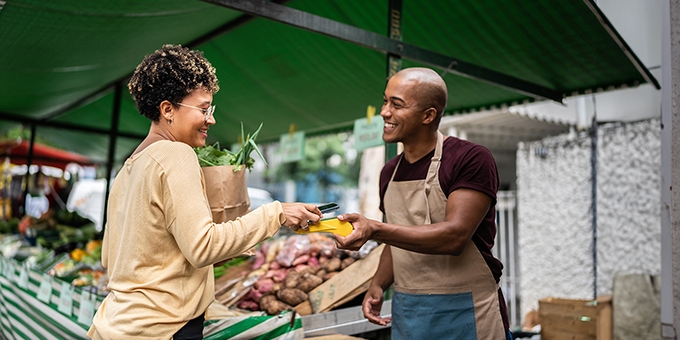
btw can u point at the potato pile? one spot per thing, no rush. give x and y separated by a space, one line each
286 270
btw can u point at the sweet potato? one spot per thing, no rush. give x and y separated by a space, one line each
254 295
277 275
332 265
272 306
264 285
300 260
309 282
307 269
313 261
292 296
292 279
249 305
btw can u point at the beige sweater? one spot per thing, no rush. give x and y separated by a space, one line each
160 244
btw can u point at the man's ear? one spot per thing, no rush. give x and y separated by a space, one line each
166 110
429 115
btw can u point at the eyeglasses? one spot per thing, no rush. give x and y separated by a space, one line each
207 112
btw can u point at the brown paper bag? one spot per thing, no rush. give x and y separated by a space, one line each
227 192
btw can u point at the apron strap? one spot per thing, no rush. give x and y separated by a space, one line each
433 173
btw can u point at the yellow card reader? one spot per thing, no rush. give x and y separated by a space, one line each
330 225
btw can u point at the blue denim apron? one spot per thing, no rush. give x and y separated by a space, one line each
438 296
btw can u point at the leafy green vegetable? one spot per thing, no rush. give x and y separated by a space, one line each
213 155
221 270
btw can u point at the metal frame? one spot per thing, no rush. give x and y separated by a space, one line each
347 321
231 25
338 30
622 43
113 135
506 250
394 17
63 125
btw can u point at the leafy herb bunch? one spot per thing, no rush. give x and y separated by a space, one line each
212 155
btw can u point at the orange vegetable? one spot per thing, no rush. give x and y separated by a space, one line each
77 254
92 245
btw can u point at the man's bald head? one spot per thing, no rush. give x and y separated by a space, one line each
429 89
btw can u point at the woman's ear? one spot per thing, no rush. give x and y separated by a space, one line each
166 110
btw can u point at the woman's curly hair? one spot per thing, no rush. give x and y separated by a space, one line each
170 73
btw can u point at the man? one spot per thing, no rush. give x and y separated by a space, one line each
438 197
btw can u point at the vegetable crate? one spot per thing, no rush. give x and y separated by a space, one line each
566 319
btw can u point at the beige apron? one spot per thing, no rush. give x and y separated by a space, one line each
419 276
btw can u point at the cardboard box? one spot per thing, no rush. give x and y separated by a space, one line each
568 319
344 286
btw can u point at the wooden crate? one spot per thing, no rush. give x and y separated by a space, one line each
568 319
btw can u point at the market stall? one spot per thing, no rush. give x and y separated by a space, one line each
36 188
287 80
20 151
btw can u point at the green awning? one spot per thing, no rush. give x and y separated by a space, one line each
60 61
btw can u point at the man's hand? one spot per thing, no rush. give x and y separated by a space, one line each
363 231
373 301
300 215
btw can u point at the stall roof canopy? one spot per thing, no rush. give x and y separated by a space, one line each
62 61
18 150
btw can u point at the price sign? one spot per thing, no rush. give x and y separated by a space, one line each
367 135
292 147
8 270
23 278
66 299
86 311
45 290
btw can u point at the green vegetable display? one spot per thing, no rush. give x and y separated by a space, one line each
212 155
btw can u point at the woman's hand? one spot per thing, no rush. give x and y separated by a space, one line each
300 215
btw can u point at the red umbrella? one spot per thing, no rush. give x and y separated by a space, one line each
42 154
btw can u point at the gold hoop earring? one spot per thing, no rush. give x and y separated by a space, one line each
169 121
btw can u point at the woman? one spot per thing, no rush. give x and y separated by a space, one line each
160 241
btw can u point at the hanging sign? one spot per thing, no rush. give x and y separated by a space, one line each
292 147
368 131
23 278
86 311
66 299
45 290
8 270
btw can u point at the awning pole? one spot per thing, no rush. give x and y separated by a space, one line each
113 134
29 162
593 191
670 171
393 60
